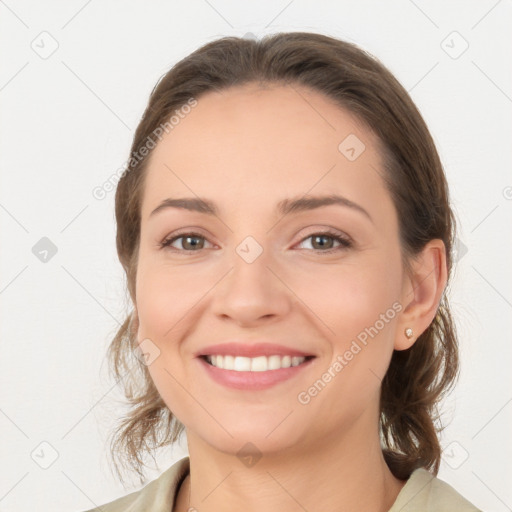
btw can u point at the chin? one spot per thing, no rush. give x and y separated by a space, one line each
260 436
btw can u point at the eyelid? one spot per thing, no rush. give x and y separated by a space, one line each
324 230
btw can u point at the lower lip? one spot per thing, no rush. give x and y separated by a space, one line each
252 380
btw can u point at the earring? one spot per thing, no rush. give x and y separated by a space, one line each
408 332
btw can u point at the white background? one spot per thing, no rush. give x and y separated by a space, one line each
67 124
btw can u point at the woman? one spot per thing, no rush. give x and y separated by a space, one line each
285 228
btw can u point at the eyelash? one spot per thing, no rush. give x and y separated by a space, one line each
345 243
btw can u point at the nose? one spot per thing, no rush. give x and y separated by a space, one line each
252 293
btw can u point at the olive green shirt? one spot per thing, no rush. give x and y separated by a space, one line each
422 493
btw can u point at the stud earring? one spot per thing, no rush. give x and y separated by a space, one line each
408 332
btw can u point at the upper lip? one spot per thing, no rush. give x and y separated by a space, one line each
240 348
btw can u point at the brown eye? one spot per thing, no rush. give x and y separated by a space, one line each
190 242
325 242
319 241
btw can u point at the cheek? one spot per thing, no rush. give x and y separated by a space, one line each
164 298
165 295
360 305
352 296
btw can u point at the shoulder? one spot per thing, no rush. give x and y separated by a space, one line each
156 496
424 492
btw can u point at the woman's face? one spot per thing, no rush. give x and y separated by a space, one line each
259 272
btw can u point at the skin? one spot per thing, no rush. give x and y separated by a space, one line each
247 148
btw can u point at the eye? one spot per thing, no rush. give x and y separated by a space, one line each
323 242
190 242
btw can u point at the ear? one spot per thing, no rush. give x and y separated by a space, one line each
422 291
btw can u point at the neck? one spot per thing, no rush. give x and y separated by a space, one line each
339 475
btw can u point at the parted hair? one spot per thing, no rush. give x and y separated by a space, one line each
417 378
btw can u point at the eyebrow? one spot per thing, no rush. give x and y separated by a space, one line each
283 207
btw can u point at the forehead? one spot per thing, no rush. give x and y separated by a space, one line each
265 141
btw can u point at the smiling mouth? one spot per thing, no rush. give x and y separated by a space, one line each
254 364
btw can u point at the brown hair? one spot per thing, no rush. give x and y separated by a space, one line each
417 378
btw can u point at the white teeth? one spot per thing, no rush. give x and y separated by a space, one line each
259 364
296 360
274 362
241 364
286 361
254 364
